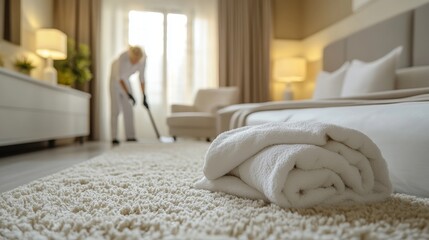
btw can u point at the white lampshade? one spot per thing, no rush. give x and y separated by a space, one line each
289 70
51 43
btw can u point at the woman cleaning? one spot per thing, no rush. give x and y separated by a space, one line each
129 62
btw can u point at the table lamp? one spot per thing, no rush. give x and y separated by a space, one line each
51 44
288 70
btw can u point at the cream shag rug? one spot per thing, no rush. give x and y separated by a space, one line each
144 191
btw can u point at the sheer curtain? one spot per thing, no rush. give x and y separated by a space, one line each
174 71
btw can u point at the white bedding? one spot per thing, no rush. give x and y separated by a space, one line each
400 130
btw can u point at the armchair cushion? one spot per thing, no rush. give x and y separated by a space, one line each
199 120
192 119
182 108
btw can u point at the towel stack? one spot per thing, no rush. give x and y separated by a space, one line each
298 164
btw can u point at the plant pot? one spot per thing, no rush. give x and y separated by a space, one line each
24 71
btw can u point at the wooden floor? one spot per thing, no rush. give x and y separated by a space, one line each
19 169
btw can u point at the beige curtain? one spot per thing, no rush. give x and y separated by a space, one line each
244 47
80 20
12 21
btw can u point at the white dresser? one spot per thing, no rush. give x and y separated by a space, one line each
32 110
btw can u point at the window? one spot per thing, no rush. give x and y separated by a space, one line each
181 41
165 38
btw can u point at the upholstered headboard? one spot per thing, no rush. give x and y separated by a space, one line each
409 29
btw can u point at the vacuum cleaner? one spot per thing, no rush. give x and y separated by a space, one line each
160 138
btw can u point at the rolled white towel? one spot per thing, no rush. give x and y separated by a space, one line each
297 165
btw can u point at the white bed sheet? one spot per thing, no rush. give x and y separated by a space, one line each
401 131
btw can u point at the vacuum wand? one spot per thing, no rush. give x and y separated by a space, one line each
153 123
161 139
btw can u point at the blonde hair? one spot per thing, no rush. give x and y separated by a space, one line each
136 51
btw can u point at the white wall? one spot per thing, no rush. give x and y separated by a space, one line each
374 12
34 14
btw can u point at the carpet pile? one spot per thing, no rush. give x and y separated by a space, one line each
144 191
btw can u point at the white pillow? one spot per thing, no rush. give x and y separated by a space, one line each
376 76
329 85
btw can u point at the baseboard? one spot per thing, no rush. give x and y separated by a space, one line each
35 146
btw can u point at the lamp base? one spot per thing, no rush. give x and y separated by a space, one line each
50 73
288 94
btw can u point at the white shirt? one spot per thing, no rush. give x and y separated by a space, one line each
123 69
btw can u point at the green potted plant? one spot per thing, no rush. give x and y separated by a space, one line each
76 68
23 65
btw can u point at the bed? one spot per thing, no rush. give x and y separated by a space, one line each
396 120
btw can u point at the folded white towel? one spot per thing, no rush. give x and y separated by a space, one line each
297 165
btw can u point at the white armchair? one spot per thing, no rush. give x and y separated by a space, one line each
199 119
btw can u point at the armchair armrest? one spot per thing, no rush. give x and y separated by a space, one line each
217 108
221 106
182 108
224 115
